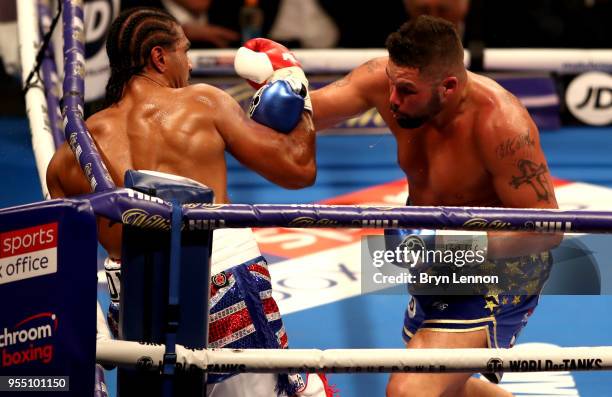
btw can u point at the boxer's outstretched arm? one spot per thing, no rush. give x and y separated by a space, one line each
355 93
285 159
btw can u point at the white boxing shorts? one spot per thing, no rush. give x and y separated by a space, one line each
243 314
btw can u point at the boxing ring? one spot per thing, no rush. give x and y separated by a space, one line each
115 204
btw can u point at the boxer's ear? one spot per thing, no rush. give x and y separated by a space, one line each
157 58
449 85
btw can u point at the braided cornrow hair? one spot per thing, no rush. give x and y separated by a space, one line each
130 40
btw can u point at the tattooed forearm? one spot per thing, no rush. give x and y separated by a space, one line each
533 175
512 145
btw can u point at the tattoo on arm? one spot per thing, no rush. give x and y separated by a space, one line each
533 175
372 65
512 145
343 81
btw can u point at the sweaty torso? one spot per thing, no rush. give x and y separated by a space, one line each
153 128
444 166
162 129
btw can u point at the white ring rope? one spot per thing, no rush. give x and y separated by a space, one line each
134 354
36 103
343 60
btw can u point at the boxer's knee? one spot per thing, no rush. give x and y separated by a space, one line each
396 386
426 385
411 385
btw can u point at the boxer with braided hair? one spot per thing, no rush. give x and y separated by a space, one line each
155 121
130 39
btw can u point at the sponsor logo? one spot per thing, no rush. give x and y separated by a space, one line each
90 175
222 368
306 221
441 306
204 206
413 243
112 271
495 365
99 15
480 223
29 340
141 218
552 383
570 364
141 196
74 145
412 308
27 253
377 223
549 226
144 363
589 98
255 101
206 224
579 67
219 280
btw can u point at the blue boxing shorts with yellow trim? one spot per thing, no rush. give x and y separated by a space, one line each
501 316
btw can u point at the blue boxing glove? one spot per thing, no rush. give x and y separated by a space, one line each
279 104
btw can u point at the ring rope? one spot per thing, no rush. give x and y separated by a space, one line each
50 77
343 60
29 42
138 209
75 130
147 356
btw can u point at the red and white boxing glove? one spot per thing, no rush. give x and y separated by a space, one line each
263 61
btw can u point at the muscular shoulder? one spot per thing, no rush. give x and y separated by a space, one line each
371 73
102 123
500 115
64 176
375 65
205 101
368 82
503 129
204 95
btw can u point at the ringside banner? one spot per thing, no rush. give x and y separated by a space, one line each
48 294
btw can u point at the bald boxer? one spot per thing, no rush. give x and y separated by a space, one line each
156 121
462 140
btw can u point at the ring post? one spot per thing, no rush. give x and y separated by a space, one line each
147 309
